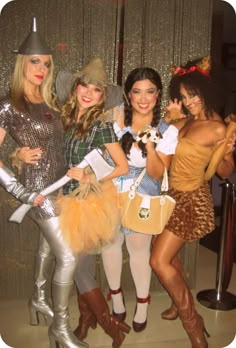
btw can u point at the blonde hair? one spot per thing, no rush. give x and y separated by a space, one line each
71 108
17 85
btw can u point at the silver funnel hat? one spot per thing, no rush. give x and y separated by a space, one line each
34 44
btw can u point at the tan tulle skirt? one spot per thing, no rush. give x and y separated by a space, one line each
92 222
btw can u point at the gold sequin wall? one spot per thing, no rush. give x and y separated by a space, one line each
125 34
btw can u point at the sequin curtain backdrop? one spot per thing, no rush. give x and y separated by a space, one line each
76 30
156 33
159 33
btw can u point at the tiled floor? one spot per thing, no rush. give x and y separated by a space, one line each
159 333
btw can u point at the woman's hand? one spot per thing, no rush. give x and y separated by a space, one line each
150 146
230 144
79 175
28 155
174 111
39 200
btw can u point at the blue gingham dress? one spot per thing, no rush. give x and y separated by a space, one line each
148 185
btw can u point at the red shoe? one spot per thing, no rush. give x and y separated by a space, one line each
138 327
118 316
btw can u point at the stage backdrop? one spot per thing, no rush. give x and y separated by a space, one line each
125 34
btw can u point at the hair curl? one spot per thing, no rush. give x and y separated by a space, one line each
71 108
139 74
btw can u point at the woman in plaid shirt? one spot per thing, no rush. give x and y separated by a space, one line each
86 128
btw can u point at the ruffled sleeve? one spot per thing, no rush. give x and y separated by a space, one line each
168 143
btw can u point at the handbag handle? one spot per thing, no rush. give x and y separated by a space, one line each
164 183
138 180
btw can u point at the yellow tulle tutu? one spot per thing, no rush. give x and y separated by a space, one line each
92 222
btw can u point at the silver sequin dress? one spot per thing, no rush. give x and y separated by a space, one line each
39 127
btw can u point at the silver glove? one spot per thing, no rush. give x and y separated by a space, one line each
10 183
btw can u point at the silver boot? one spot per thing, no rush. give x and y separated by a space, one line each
39 304
60 333
10 183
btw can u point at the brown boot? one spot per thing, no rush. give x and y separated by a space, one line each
192 322
98 306
86 320
170 313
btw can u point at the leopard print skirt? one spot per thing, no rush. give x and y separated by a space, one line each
193 216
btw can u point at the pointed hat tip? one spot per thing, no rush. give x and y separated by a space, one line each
33 44
34 25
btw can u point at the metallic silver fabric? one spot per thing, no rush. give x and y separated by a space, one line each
43 265
60 332
39 127
10 183
66 260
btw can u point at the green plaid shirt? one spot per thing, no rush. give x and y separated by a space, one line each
75 148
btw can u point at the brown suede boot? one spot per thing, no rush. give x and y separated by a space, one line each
192 322
86 320
97 304
170 313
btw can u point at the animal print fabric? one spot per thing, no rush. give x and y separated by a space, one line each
193 216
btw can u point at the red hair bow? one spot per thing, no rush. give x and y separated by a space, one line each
181 71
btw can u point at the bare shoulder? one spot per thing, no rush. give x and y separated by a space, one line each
219 128
217 117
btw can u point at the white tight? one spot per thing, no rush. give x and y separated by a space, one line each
138 246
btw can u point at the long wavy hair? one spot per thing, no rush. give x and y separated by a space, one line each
71 109
17 92
135 75
197 83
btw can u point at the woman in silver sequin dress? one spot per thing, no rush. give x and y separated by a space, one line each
28 115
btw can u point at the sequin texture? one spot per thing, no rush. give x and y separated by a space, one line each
33 129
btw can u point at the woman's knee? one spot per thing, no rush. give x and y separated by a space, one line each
65 268
68 259
44 249
85 273
156 263
138 243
